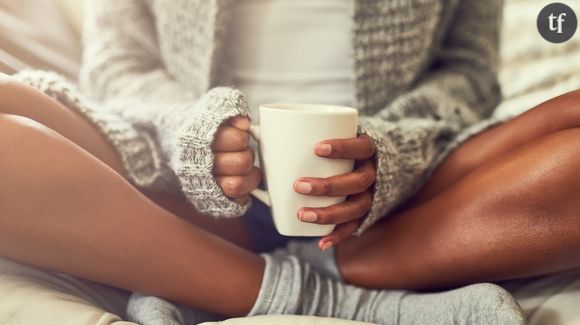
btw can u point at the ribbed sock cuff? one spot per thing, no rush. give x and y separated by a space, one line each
281 286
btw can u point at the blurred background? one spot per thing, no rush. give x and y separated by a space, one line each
41 34
46 34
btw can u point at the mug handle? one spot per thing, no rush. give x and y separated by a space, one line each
259 194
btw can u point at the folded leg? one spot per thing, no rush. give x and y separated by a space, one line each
503 206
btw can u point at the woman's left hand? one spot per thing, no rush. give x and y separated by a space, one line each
356 185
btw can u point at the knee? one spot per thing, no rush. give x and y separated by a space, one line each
12 135
567 102
16 131
12 92
10 89
24 145
8 130
560 113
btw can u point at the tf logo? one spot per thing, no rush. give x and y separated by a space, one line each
557 23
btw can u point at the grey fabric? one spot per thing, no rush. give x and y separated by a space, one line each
293 287
323 262
26 292
150 66
151 310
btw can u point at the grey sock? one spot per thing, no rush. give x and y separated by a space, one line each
307 251
292 287
150 310
482 303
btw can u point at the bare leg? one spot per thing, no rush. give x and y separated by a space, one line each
514 215
63 203
64 210
22 100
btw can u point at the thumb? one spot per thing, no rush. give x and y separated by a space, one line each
240 122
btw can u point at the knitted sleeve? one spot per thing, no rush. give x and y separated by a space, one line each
124 72
460 89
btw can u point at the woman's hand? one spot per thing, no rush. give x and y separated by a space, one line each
234 161
357 185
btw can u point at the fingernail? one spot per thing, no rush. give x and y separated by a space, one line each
327 245
323 149
308 216
243 123
303 187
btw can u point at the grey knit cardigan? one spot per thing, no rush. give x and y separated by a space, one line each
155 82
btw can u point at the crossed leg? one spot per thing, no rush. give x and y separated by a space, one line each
65 206
502 206
21 100
140 231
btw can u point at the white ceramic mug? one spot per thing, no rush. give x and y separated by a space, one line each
287 135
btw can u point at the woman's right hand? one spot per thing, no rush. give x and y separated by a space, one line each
234 160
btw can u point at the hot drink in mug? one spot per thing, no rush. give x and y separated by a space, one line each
287 135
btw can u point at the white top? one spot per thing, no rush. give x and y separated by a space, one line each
292 51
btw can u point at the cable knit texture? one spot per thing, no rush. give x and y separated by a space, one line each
424 76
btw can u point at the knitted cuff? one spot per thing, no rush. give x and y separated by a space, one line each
402 171
384 192
192 159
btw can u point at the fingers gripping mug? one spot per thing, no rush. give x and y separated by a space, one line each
286 136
